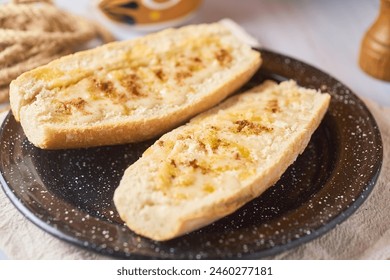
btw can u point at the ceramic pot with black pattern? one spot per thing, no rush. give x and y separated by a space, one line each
149 14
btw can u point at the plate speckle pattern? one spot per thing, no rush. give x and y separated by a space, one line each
68 193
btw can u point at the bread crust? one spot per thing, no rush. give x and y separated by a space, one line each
33 86
141 202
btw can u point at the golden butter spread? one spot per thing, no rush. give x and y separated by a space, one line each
142 80
225 147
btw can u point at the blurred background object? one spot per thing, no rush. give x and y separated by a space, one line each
375 50
149 14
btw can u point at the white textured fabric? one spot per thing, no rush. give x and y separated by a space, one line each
365 235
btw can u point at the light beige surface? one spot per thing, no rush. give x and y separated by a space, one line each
365 235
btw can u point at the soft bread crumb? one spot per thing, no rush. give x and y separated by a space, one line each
131 91
220 160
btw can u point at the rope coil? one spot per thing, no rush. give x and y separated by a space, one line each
35 32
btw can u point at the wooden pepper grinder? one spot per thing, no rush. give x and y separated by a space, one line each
375 49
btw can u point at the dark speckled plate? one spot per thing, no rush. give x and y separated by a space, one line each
69 193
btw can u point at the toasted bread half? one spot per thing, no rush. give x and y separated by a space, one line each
132 90
220 160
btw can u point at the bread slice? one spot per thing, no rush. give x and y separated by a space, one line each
132 90
220 160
